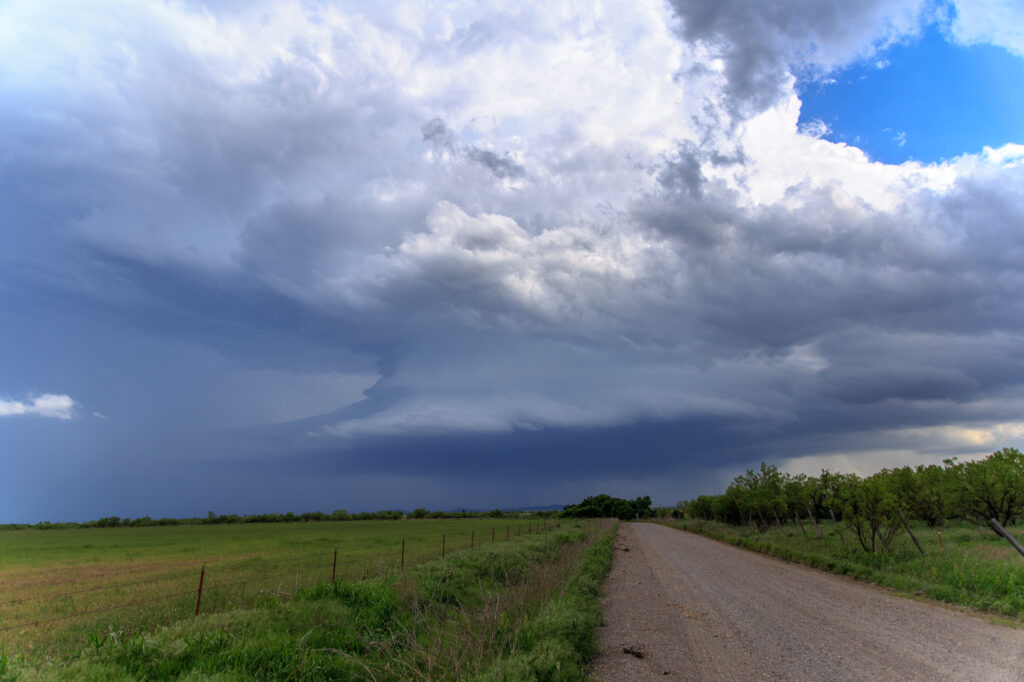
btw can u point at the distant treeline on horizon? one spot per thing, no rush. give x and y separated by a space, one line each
289 517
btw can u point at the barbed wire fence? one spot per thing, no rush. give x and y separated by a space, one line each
124 608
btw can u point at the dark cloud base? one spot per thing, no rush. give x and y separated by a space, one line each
638 450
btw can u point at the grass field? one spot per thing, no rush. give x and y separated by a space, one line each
971 567
526 608
60 587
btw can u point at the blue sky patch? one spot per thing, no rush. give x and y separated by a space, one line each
927 101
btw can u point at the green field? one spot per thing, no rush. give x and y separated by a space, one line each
522 608
963 563
59 587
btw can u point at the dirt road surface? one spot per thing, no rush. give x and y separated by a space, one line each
694 609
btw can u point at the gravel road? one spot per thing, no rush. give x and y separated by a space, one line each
697 609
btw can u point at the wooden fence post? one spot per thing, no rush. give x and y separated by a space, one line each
334 568
403 554
1009 538
199 596
821 535
472 539
442 544
907 526
838 527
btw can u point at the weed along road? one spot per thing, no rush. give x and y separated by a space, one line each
680 606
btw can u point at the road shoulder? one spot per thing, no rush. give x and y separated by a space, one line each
642 634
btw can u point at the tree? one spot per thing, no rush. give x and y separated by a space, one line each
701 508
924 492
796 493
606 506
992 487
759 495
831 492
870 509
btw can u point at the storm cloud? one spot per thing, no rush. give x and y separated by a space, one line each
371 256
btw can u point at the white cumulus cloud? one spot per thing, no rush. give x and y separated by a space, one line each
998 22
47 405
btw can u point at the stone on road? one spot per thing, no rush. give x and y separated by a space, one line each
680 606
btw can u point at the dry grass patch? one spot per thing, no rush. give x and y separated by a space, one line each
459 641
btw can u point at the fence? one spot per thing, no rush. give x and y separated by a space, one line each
43 612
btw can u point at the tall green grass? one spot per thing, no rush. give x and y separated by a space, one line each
523 609
560 642
972 566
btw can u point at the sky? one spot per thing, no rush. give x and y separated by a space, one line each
931 100
294 255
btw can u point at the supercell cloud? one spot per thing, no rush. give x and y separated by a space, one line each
347 255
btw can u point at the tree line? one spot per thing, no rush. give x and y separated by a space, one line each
976 490
289 517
